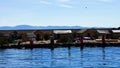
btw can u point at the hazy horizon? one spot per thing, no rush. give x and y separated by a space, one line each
60 26
86 13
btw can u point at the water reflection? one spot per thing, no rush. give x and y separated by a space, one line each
81 57
96 57
52 56
103 51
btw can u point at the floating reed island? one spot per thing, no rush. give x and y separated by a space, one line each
56 45
60 38
62 45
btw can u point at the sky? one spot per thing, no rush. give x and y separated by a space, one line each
87 13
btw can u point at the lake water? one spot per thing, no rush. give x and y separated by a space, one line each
96 57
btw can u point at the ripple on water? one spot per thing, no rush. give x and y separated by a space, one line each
96 57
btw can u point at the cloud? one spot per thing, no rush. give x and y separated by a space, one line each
106 0
45 2
59 3
66 6
64 0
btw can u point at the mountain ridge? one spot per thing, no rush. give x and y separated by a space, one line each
29 27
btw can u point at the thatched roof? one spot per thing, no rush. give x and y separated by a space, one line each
62 31
31 34
82 31
103 31
116 31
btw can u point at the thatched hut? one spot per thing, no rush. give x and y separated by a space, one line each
62 35
104 33
30 36
116 34
3 39
39 35
87 33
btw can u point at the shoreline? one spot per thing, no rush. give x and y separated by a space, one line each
59 38
62 45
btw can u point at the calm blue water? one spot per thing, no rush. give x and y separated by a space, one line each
61 58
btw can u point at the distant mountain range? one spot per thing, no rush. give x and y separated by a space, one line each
28 27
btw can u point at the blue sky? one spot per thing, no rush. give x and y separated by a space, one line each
88 13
